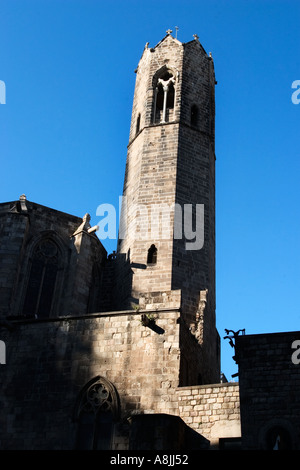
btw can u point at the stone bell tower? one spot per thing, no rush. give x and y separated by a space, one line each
166 246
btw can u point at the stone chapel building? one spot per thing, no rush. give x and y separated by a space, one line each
121 351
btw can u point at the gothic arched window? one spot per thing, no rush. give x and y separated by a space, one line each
42 279
96 412
278 438
164 97
152 255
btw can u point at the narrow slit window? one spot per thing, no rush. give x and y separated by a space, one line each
138 124
152 255
194 115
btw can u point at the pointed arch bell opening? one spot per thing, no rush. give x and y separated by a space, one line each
164 82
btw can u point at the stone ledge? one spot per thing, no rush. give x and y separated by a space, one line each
91 315
218 385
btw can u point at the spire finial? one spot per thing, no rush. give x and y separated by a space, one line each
196 37
169 31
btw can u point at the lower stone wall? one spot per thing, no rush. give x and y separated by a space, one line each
162 432
269 377
49 362
211 410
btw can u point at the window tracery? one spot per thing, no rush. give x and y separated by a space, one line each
164 97
96 412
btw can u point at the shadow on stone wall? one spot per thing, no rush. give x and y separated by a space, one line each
163 432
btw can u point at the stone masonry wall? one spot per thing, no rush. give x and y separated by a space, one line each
23 224
12 230
211 410
48 362
269 380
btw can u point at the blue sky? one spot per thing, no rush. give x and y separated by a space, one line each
68 67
